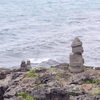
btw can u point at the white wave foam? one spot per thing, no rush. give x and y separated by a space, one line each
40 60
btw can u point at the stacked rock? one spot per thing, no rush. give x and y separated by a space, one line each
76 59
29 64
25 66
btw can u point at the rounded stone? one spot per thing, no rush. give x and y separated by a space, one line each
76 42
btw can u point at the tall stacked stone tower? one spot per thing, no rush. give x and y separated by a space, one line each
76 58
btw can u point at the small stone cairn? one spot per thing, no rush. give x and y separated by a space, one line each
76 59
25 66
29 64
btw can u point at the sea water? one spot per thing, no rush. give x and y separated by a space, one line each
43 30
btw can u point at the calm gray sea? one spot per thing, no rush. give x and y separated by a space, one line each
43 30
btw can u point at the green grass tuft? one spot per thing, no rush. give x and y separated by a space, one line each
26 96
58 78
96 92
38 84
92 81
52 69
32 73
96 81
87 82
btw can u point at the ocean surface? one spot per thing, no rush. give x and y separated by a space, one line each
43 30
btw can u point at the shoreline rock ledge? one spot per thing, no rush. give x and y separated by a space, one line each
65 81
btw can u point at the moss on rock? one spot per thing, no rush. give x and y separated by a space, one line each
26 96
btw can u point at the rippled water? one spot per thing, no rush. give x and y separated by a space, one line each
43 30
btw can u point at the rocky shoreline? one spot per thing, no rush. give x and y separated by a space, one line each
54 83
72 81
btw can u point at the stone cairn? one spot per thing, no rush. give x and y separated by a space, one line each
76 59
25 66
29 64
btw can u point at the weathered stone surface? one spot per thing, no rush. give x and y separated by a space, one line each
77 46
53 91
56 83
97 68
2 91
63 66
80 77
76 63
74 89
46 78
41 70
83 97
12 91
78 49
29 64
76 42
2 75
4 72
9 86
39 92
76 59
14 98
4 85
24 66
